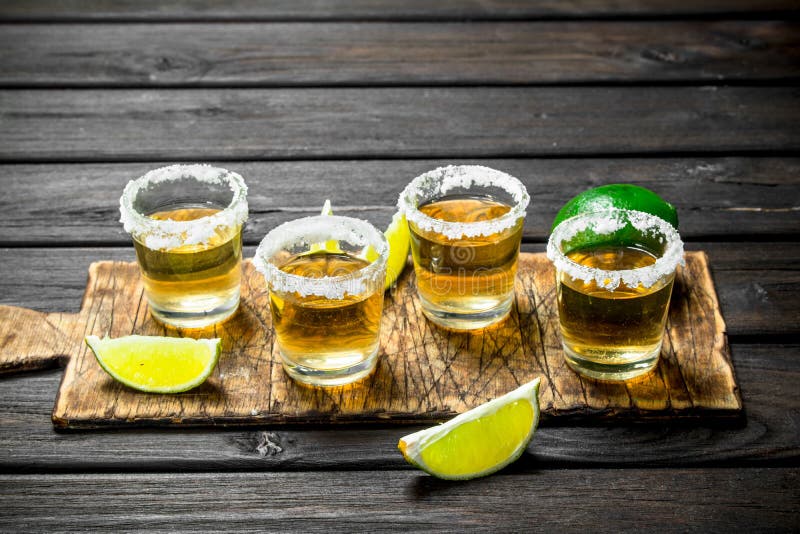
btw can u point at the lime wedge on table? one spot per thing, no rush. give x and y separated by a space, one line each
398 237
480 441
157 364
622 196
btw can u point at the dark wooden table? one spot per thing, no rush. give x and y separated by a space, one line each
350 99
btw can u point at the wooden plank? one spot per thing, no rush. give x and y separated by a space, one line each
150 10
424 373
757 283
768 375
206 124
594 500
732 198
264 55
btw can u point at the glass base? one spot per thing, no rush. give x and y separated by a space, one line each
188 318
330 377
470 320
637 365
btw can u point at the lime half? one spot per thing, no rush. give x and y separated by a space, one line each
620 196
478 442
157 364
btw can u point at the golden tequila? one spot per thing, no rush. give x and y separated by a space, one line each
325 276
617 327
466 282
465 223
192 281
186 224
614 275
325 334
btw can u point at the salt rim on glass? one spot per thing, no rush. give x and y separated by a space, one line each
438 182
607 222
167 234
309 231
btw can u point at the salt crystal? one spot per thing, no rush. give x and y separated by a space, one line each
438 182
168 234
607 222
302 233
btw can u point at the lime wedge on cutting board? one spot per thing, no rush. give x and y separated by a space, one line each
330 245
398 237
157 364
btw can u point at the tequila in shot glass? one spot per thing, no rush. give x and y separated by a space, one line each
325 276
466 227
614 274
186 224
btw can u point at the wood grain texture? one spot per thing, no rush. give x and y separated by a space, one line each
208 124
770 436
309 54
34 340
424 373
595 500
734 198
152 10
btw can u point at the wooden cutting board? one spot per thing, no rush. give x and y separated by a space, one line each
424 373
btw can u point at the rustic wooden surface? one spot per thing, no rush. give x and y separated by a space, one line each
424 373
303 54
343 123
695 100
321 502
237 10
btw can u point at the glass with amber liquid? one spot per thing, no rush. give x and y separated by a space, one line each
614 273
325 277
186 224
466 227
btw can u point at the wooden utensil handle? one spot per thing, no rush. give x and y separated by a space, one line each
35 340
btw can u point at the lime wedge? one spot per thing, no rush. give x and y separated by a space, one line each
399 244
478 442
157 364
330 245
398 237
621 196
326 208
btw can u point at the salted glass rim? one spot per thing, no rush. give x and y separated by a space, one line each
437 182
166 234
605 222
320 229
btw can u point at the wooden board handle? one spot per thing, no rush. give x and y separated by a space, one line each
35 340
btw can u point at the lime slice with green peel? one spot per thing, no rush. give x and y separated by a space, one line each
326 208
478 442
620 196
399 239
157 364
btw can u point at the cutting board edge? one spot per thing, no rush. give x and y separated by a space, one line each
62 421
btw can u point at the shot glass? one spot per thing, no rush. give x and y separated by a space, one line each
614 274
325 277
186 224
466 227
